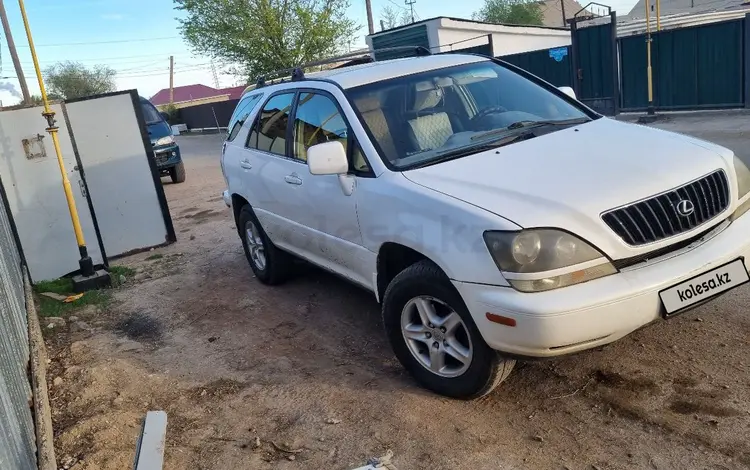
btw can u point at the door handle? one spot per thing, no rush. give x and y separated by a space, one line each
246 164
293 179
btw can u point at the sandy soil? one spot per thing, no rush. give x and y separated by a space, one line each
255 377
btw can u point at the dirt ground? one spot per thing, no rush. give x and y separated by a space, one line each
300 376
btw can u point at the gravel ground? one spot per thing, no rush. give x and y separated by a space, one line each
301 375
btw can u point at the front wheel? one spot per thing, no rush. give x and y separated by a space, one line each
435 338
177 173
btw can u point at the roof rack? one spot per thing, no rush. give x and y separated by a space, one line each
355 58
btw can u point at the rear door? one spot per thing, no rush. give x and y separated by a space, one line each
235 157
274 180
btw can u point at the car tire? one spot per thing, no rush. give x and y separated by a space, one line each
481 368
269 264
177 173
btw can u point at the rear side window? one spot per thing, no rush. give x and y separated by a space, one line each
241 112
269 132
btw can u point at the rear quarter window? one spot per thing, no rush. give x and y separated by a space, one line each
241 112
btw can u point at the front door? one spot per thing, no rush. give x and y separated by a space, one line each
328 214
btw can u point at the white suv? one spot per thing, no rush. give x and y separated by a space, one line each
492 215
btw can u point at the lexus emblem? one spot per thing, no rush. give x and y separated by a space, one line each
685 207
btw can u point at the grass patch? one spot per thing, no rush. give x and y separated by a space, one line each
121 271
62 286
54 308
155 257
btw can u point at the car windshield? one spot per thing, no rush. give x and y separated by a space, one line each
446 113
150 114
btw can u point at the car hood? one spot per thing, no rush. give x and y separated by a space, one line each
566 179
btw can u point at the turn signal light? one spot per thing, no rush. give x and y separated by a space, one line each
495 318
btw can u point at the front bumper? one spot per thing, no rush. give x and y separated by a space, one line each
598 312
167 156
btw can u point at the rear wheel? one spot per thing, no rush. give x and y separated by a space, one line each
177 173
435 338
269 264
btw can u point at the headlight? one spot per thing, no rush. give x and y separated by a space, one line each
525 257
743 176
168 140
743 185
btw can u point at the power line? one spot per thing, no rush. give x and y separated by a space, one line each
400 6
103 42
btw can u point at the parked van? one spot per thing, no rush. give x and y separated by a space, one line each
166 151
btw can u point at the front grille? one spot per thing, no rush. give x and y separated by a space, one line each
657 218
162 157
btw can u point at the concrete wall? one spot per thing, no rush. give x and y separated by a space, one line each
453 34
17 445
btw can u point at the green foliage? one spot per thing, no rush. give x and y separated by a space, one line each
266 35
62 286
55 308
155 257
390 19
524 12
173 112
36 100
75 80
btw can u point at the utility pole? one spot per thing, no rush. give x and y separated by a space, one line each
14 55
562 9
411 3
171 79
370 25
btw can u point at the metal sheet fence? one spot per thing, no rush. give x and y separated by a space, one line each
17 445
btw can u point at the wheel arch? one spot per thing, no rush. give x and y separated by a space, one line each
394 257
238 202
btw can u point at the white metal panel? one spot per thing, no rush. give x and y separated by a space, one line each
36 197
118 173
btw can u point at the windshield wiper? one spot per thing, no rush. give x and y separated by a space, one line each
472 149
530 124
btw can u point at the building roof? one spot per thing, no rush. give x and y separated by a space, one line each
234 92
185 93
553 14
464 20
363 74
671 7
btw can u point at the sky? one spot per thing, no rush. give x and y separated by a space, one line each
136 38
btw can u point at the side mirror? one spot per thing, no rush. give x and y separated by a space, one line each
568 91
328 158
164 116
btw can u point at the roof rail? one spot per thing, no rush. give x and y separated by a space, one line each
354 58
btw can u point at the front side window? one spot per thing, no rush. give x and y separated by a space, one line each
269 132
316 121
243 110
455 111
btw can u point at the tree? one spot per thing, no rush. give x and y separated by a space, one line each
389 18
74 80
261 36
37 99
526 12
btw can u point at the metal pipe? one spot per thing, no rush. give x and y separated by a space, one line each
658 15
85 261
648 59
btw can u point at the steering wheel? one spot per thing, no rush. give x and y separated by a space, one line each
477 118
